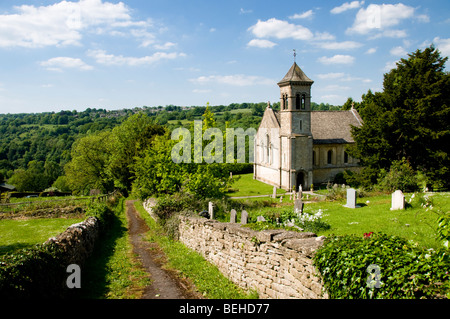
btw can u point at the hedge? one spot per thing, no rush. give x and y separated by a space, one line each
383 267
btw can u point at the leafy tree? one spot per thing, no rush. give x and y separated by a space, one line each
87 169
409 119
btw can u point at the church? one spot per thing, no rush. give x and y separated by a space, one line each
297 146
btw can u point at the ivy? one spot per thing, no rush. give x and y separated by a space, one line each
405 271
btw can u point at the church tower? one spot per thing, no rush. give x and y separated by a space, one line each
295 129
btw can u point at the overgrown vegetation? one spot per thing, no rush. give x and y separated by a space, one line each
401 268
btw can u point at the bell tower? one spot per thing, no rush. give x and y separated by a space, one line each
295 128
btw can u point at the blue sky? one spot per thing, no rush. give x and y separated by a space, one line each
71 55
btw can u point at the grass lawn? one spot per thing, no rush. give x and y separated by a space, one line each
245 185
374 215
17 234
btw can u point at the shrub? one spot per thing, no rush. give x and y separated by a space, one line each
405 270
400 176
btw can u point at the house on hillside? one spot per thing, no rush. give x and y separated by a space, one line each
297 146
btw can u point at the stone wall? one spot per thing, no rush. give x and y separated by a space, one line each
275 263
78 240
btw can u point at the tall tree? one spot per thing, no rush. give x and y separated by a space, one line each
410 118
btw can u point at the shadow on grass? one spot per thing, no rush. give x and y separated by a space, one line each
94 273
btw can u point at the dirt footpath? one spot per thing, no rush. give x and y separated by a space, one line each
164 284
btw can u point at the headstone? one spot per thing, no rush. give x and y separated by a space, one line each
298 206
260 219
244 217
233 216
398 200
211 210
231 174
274 193
281 199
351 198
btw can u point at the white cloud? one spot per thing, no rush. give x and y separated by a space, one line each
244 11
337 59
235 80
165 46
261 43
347 6
443 45
59 24
59 63
345 45
323 36
101 57
304 15
380 17
371 51
65 23
389 66
398 51
280 29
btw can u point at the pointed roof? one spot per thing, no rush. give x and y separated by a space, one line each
295 75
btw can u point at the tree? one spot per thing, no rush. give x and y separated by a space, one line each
87 169
409 119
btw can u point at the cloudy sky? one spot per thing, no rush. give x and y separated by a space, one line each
71 55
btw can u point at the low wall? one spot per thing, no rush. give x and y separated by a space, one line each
78 240
275 263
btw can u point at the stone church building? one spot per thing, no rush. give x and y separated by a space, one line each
297 146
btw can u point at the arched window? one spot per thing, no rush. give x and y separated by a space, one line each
314 157
303 102
329 156
297 101
345 157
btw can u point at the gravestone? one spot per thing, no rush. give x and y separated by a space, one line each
211 210
274 192
298 206
398 200
233 216
244 217
351 198
260 219
281 199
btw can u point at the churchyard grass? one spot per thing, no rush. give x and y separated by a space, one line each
245 185
24 233
187 263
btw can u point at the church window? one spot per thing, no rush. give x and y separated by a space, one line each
345 157
314 157
329 156
286 101
297 101
303 102
301 124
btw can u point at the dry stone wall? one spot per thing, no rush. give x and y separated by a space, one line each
275 263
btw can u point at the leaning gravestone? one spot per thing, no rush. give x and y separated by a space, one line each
260 219
244 217
274 192
351 198
398 200
211 210
233 216
298 206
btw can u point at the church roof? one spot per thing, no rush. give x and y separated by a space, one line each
295 74
333 127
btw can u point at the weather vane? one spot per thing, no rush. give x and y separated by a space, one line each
295 54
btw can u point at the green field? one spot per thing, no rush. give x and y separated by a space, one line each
17 234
